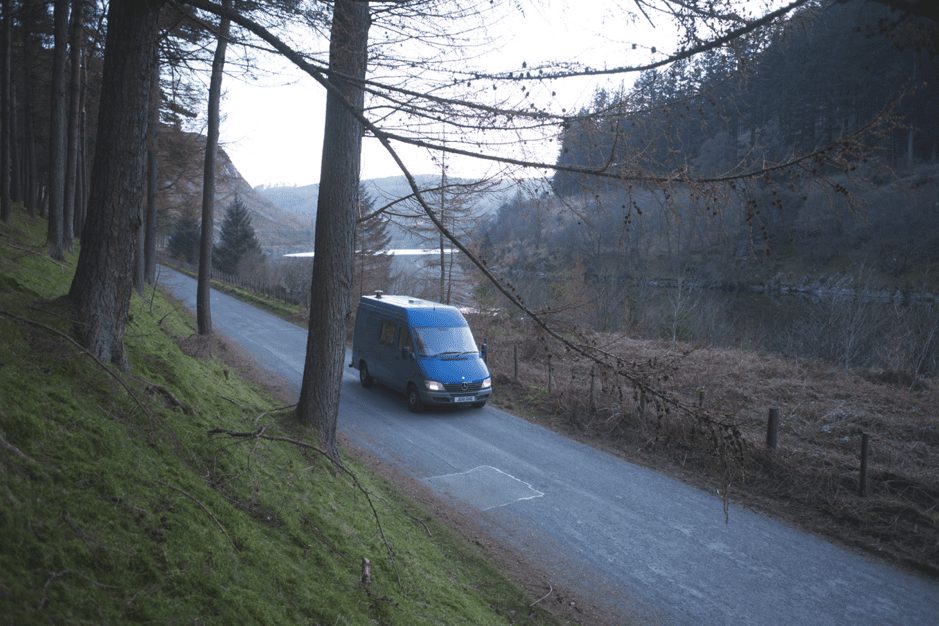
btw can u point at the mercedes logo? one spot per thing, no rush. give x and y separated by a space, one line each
464 386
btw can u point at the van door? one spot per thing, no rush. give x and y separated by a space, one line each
381 365
405 360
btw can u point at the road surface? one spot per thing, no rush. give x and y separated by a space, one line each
635 543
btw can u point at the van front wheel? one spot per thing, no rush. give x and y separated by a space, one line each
414 399
364 377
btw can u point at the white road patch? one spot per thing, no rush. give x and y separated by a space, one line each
484 487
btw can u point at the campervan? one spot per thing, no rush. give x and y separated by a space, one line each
421 348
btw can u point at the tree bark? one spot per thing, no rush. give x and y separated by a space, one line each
76 52
56 235
6 117
101 289
149 245
203 306
28 156
335 223
81 189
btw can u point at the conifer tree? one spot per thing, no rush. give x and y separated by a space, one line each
184 241
237 239
372 263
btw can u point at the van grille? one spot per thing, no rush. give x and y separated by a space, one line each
461 387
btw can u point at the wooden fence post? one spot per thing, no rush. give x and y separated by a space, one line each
593 404
772 429
862 482
549 373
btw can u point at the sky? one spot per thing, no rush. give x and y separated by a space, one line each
272 127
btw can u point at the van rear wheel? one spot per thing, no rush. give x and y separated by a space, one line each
364 377
414 399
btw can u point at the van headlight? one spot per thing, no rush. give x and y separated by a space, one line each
433 385
487 383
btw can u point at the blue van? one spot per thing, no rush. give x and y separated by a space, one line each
421 348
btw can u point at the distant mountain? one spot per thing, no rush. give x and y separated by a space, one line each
405 231
180 170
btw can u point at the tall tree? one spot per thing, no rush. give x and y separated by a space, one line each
203 304
337 207
76 52
150 224
238 239
101 288
56 237
6 110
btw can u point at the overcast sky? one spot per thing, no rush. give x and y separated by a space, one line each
272 128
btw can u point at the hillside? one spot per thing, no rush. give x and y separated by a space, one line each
180 170
301 202
126 497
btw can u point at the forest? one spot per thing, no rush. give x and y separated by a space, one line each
832 251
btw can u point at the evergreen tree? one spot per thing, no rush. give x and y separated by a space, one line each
372 269
184 242
238 238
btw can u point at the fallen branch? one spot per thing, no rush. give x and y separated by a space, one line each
277 410
166 393
9 447
170 397
550 591
204 508
421 522
45 588
85 351
259 434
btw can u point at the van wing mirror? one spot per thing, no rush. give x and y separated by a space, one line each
484 350
406 351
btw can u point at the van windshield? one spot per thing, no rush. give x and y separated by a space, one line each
444 340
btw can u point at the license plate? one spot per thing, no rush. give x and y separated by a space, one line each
465 399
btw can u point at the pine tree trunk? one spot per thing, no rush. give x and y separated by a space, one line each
81 189
17 167
30 166
101 289
203 306
335 223
6 109
74 96
56 237
16 144
149 245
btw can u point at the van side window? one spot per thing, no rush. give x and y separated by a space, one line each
387 335
404 339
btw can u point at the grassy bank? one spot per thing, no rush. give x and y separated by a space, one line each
117 504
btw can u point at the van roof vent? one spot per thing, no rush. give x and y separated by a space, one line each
378 293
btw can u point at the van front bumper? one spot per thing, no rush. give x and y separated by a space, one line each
466 398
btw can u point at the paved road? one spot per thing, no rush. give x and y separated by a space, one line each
632 541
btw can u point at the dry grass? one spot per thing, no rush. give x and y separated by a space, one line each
811 479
